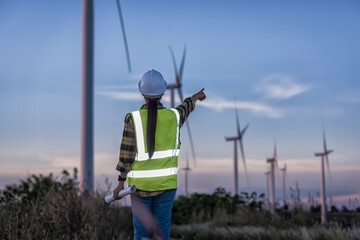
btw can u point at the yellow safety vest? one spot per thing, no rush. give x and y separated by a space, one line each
159 172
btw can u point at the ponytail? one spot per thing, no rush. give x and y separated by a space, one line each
151 125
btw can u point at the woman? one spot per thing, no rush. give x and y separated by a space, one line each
149 157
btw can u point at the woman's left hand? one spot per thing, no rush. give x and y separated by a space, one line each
116 191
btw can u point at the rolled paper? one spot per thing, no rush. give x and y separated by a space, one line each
126 191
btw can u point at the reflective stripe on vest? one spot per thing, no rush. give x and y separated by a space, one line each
159 172
151 173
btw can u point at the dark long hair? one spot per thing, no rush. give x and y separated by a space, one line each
151 125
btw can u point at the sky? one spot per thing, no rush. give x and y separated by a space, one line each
289 67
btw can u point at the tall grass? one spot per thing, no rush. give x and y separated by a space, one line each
42 207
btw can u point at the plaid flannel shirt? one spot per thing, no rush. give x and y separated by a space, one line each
128 142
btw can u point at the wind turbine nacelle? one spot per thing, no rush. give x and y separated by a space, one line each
171 86
231 138
270 160
319 154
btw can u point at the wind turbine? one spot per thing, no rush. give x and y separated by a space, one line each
238 137
324 156
177 85
186 169
283 170
272 161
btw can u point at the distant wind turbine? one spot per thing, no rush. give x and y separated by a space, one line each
272 161
238 137
283 170
187 169
178 85
324 156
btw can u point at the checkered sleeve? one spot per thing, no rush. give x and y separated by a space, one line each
128 146
185 108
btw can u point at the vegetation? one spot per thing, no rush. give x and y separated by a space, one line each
44 207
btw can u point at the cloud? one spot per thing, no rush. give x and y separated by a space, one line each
214 102
121 95
118 87
280 87
219 103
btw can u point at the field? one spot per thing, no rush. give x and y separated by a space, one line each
42 207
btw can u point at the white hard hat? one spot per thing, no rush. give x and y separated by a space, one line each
152 84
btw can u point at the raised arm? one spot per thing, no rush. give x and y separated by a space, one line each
188 105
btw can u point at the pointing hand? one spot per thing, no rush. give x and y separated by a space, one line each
200 95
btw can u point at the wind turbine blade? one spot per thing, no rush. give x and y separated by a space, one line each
244 130
318 154
275 156
182 66
174 63
328 167
237 124
275 152
244 162
124 35
326 152
180 95
191 141
187 161
324 141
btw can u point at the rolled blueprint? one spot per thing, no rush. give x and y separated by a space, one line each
109 198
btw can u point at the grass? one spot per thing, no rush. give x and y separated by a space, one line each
211 231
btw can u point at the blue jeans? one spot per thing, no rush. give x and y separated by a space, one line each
152 214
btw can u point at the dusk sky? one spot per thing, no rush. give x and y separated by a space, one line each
290 67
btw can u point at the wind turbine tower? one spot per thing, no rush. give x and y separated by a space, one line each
324 156
272 161
283 170
87 150
237 138
87 159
